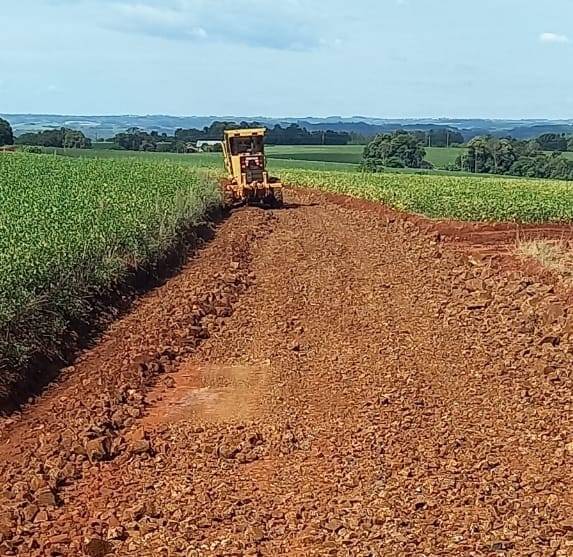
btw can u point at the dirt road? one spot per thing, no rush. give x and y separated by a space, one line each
316 381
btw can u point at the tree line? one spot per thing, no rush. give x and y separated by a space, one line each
139 140
293 134
135 139
433 137
490 155
62 137
554 142
537 158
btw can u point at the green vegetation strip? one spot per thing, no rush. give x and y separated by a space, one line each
470 198
72 229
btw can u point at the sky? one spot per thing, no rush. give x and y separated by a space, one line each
288 58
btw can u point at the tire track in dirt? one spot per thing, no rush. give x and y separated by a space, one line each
372 392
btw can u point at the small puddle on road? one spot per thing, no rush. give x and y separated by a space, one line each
207 393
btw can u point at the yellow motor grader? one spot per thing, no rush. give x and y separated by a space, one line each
249 182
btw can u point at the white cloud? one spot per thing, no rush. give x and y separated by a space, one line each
162 22
256 23
553 38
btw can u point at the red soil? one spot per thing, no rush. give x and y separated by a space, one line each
327 379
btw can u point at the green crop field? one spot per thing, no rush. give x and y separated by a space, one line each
467 198
352 154
308 157
71 229
201 160
349 154
437 194
441 157
208 160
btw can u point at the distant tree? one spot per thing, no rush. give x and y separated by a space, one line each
75 139
335 138
135 139
532 166
295 135
216 130
189 136
570 143
31 149
560 168
518 158
479 157
6 134
503 155
61 137
487 154
552 142
393 149
526 148
443 137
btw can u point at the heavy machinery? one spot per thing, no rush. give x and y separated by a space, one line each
249 181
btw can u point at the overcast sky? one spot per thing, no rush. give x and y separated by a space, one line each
386 58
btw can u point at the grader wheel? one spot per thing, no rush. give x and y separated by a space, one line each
228 199
277 198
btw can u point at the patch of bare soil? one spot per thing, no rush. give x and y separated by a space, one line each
319 380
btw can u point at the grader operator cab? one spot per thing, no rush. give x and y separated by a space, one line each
249 181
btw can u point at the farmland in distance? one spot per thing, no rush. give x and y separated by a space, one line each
318 157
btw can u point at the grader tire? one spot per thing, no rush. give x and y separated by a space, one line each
277 198
228 200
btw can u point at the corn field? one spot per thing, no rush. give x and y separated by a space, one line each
71 229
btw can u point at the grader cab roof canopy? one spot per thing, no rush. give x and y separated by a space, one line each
245 141
245 132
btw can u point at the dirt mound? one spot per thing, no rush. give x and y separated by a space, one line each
319 380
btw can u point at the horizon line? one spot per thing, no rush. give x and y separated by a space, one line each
299 118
